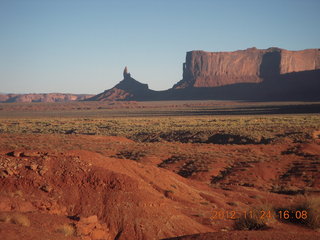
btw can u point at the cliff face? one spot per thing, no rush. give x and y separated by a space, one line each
297 61
213 69
45 97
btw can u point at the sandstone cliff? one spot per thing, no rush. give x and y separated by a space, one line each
213 69
43 97
297 61
253 74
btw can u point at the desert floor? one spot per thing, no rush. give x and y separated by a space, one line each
160 170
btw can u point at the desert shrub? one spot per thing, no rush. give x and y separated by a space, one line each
311 208
67 229
288 190
257 218
20 219
168 193
248 223
223 173
133 155
173 159
5 217
16 218
230 129
193 163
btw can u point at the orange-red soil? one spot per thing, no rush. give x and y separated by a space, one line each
169 190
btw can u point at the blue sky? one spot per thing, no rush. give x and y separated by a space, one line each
77 46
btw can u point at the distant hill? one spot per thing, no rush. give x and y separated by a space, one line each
42 97
251 74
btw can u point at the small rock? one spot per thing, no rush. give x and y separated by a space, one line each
316 135
33 166
14 154
9 171
42 171
46 188
31 154
6 172
3 174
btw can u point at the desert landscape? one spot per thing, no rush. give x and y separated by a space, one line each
159 120
160 170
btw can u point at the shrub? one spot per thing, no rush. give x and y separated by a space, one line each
20 219
4 217
67 229
133 155
257 218
16 218
248 223
311 206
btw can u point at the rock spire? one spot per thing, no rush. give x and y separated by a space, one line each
126 74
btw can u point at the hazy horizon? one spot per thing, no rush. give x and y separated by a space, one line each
82 47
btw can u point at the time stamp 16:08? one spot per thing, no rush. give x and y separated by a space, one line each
262 214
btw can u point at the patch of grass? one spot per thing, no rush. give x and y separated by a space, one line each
194 162
256 218
250 223
306 212
197 129
288 190
223 174
66 229
234 204
5 217
15 218
20 219
168 193
135 155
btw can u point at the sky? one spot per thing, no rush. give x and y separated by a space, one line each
82 46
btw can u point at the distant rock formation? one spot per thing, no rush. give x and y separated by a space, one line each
126 74
214 69
127 89
271 74
43 97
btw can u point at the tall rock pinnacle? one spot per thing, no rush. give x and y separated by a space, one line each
126 89
126 74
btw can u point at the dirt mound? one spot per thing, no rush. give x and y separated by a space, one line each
121 193
52 226
123 189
